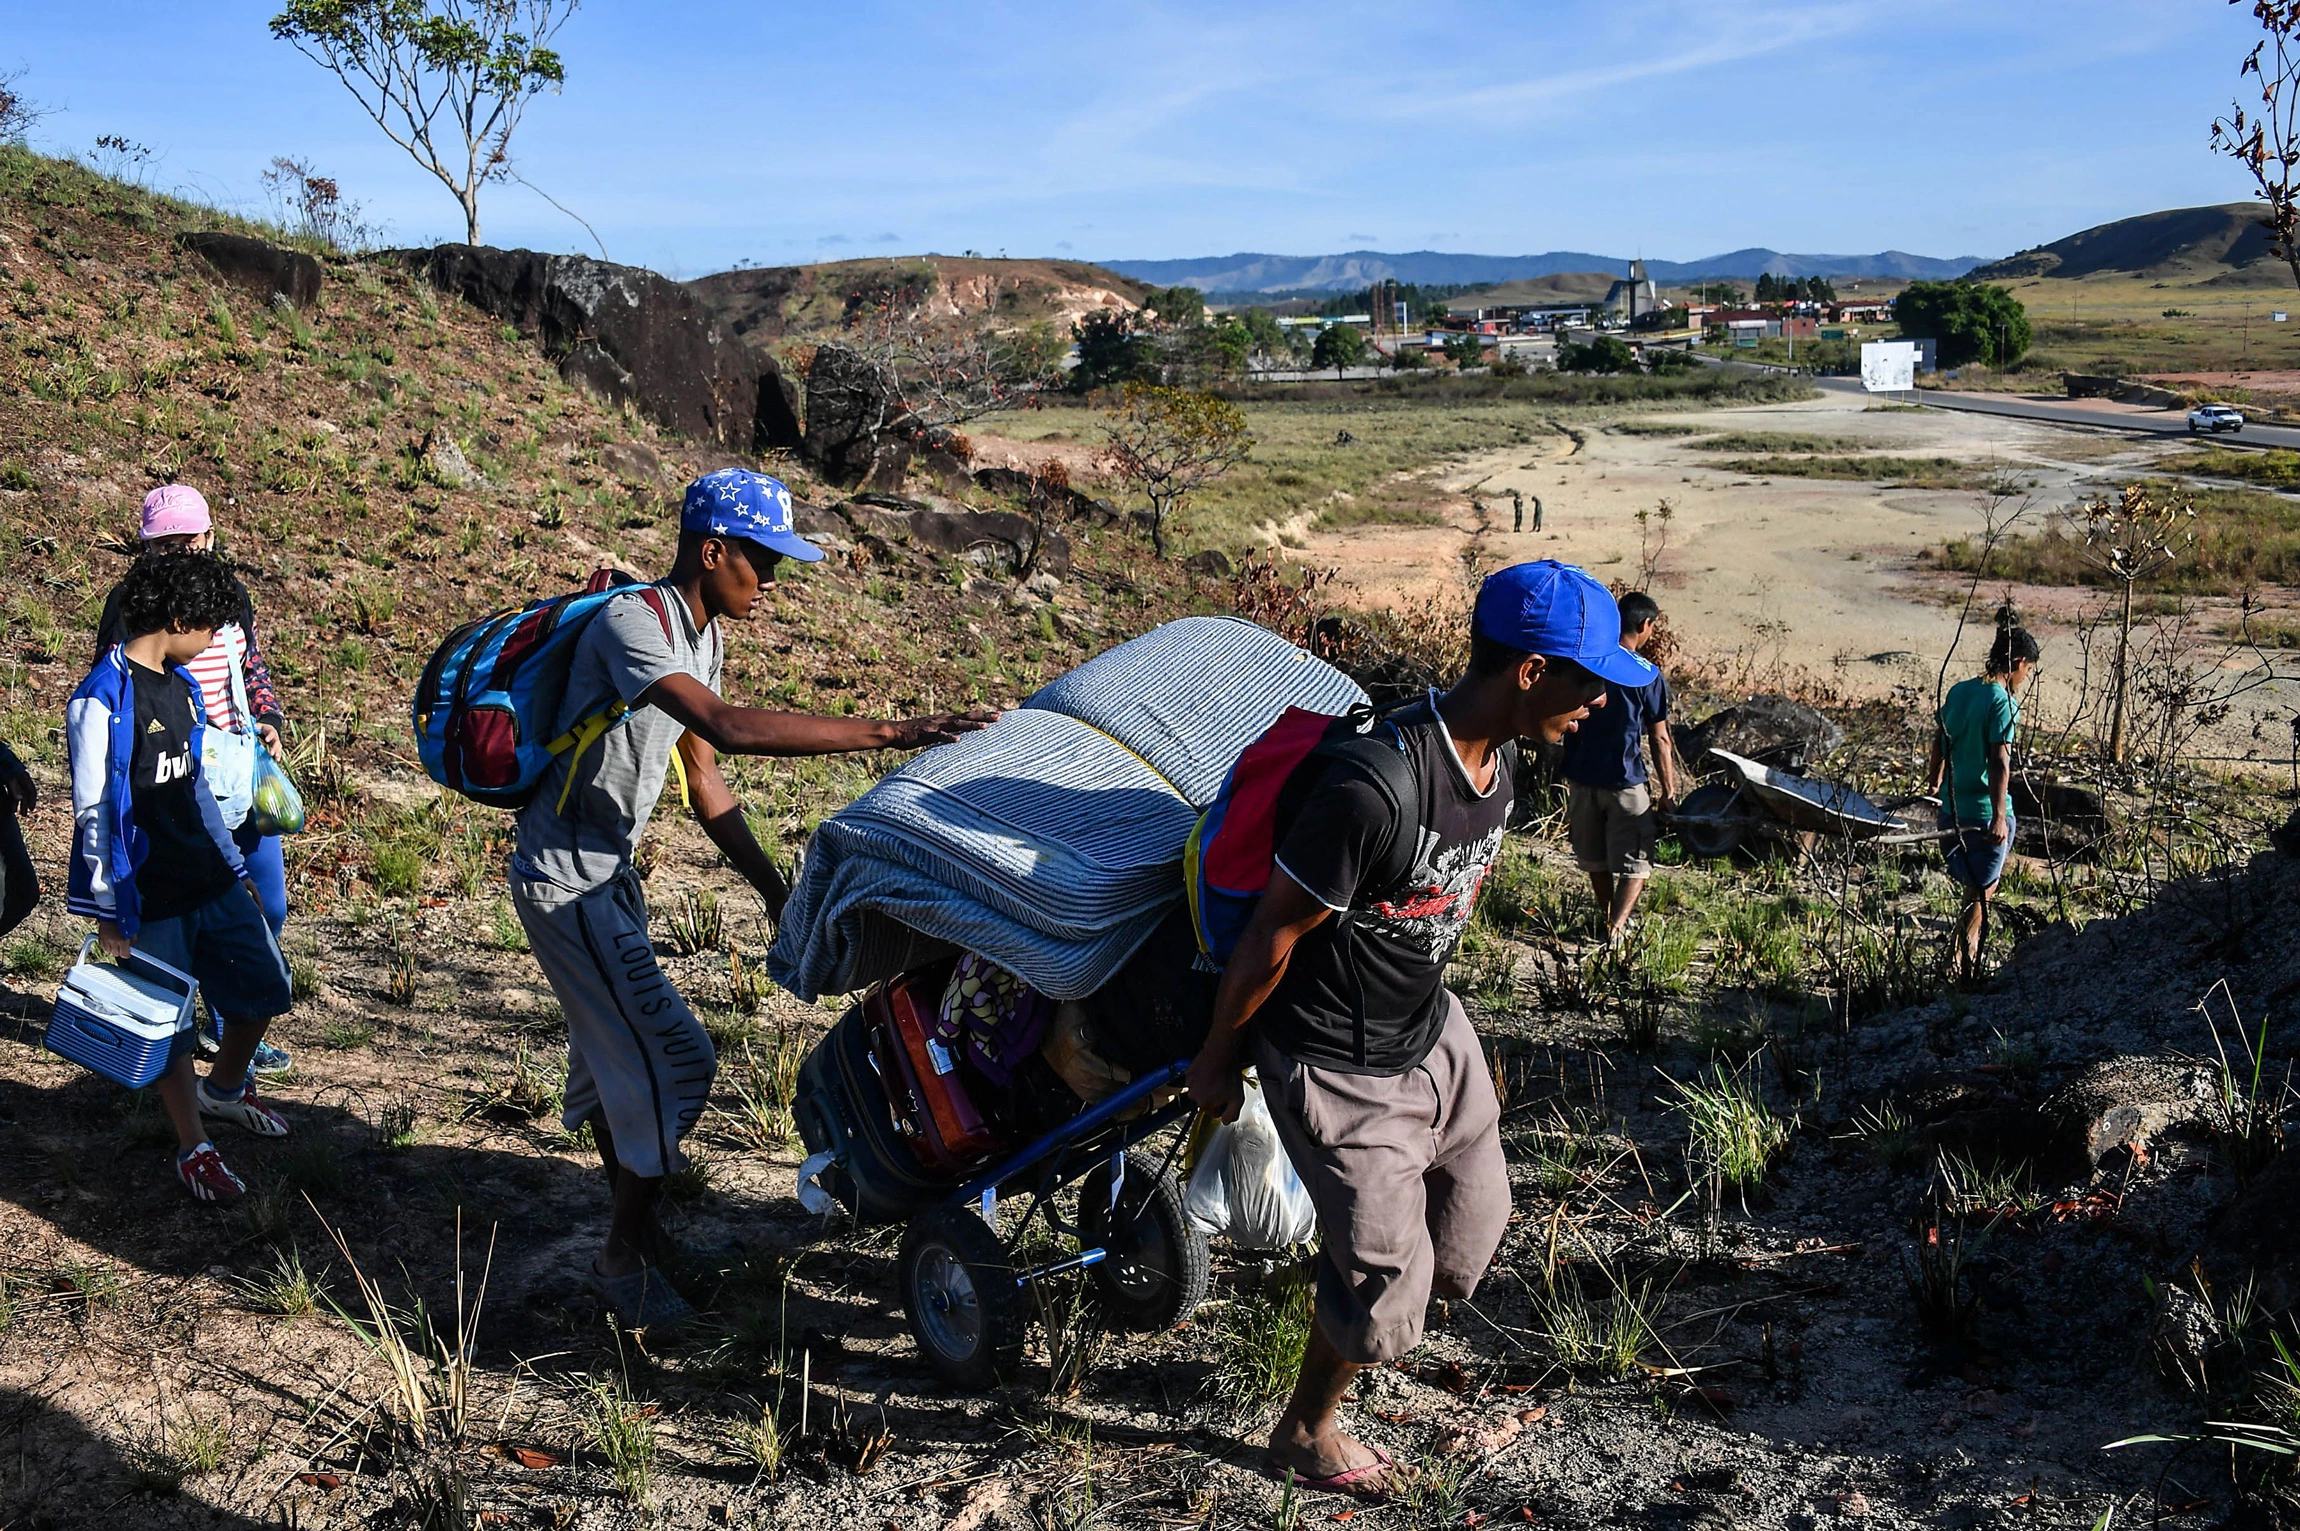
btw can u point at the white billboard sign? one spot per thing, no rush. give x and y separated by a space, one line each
1888 366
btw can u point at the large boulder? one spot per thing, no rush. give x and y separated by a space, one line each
628 334
265 270
2125 1109
853 404
1772 730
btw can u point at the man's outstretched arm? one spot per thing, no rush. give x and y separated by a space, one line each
733 730
714 806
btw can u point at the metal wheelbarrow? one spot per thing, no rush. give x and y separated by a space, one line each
1763 803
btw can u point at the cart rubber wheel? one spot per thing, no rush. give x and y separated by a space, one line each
1156 1272
959 1293
1715 837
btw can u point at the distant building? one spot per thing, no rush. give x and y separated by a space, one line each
1633 297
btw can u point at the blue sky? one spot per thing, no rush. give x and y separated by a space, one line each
696 135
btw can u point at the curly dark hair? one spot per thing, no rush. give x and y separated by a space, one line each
189 588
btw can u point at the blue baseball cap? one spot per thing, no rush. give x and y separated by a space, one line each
735 502
1555 610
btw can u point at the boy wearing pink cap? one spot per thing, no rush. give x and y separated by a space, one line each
235 691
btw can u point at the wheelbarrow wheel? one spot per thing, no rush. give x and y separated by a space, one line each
959 1293
1708 821
1156 1271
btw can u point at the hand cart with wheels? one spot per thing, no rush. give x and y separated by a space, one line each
965 1285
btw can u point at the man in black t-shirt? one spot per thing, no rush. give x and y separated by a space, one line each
1377 1084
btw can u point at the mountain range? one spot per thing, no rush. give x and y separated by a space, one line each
1353 269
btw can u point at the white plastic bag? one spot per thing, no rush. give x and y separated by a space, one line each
1245 1188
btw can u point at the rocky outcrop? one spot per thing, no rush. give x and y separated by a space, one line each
1069 503
997 541
628 334
2082 385
266 270
1772 730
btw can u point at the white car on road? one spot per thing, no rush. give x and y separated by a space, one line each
2214 417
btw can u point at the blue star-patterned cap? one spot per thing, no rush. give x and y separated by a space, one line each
735 502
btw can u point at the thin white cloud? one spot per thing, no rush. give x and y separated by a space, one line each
1741 36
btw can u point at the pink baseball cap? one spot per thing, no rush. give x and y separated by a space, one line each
174 510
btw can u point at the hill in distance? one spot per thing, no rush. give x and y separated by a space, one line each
2194 246
1361 268
1564 287
767 304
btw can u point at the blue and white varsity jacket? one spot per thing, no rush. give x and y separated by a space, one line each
107 847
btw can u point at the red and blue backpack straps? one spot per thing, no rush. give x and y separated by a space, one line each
1230 855
490 696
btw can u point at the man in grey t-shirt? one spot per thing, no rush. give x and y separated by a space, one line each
639 1066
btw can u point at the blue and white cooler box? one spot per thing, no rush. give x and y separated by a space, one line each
121 1021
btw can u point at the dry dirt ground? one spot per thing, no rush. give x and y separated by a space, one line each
1780 575
148 1379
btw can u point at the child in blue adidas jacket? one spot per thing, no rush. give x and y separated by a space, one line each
152 862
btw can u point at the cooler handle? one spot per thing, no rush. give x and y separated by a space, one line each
183 980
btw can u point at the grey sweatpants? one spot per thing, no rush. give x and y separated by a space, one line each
635 1053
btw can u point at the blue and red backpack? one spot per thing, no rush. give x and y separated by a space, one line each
490 695
1227 860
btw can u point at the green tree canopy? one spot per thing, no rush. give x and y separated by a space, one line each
1966 321
1263 329
1167 442
1339 346
1110 352
1464 350
1603 354
446 80
1183 306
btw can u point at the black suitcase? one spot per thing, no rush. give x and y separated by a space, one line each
842 1110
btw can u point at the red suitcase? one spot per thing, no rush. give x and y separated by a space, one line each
921 1073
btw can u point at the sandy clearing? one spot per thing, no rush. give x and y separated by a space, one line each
1809 574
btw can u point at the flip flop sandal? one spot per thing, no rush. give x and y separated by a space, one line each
1373 1483
644 1299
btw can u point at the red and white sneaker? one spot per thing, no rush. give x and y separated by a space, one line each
243 1109
205 1175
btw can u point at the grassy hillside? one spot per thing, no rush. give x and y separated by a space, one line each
2224 244
125 363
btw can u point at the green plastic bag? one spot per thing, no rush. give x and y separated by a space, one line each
275 807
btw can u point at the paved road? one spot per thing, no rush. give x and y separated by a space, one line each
2171 422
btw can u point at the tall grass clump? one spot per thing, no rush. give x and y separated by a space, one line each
1260 1344
1731 1137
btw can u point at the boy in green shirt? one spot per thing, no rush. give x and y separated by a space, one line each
1971 770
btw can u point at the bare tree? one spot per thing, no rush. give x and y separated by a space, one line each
446 80
2266 138
2131 537
1170 442
18 112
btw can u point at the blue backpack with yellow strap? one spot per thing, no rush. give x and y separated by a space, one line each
488 702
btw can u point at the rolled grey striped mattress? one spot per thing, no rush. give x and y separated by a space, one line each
1051 841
